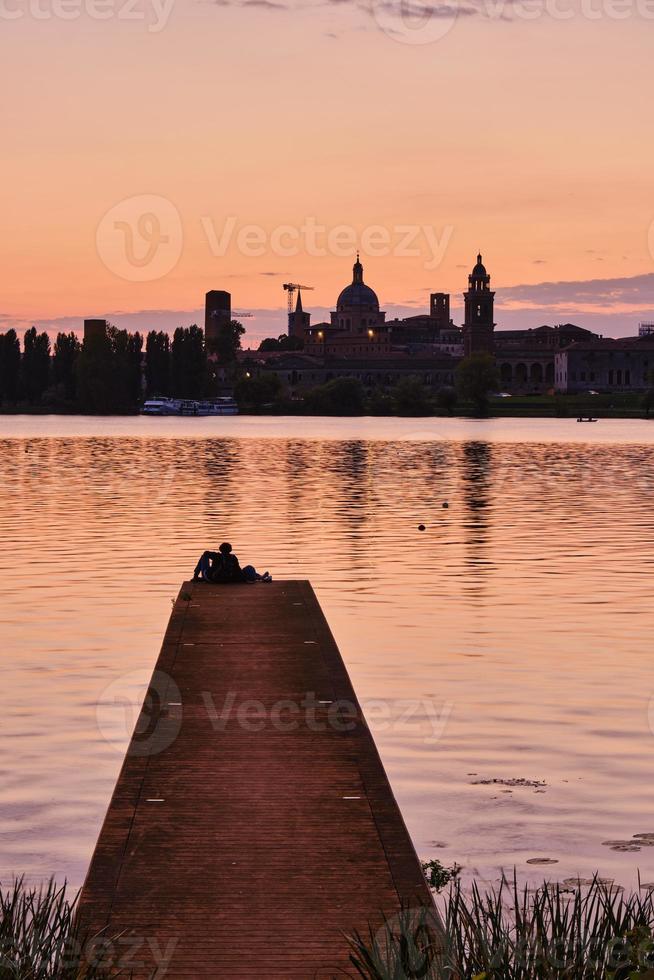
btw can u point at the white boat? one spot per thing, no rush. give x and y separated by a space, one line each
190 407
161 406
218 406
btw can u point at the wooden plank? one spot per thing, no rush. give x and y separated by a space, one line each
252 825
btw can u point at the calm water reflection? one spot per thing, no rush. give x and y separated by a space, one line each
511 640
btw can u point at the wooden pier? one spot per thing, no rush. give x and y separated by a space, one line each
252 824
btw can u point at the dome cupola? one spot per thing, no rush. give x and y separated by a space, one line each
479 280
357 295
479 271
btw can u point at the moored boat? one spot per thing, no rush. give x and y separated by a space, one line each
160 406
190 407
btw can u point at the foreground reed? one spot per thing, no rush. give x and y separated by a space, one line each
39 939
592 931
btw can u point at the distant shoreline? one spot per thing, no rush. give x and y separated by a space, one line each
536 413
535 408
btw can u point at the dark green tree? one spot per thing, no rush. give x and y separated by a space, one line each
121 369
66 351
189 368
157 363
228 342
411 397
108 372
648 401
341 396
35 366
380 402
9 367
94 375
281 343
178 349
255 392
134 356
447 398
476 378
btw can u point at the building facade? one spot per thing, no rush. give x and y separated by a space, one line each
605 365
299 372
526 358
357 326
358 341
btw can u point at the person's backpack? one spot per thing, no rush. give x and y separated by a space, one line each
225 569
221 571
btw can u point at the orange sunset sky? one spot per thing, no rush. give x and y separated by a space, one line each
522 128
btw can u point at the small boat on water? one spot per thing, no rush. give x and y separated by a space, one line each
160 406
190 407
587 420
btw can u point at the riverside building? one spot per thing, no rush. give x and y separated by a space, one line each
359 341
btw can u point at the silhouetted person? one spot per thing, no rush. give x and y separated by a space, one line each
223 567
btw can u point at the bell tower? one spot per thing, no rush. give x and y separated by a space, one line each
299 321
479 299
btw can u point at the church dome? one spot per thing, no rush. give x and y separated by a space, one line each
357 294
480 269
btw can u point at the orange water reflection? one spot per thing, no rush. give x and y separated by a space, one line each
510 640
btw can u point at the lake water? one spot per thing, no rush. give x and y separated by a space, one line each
503 655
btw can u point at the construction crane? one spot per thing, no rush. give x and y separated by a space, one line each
235 313
290 288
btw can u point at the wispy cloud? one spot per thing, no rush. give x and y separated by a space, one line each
265 4
269 4
398 9
244 4
636 292
419 11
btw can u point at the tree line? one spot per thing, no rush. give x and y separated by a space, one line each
110 372
476 378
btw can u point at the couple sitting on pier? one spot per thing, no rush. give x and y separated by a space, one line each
222 566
